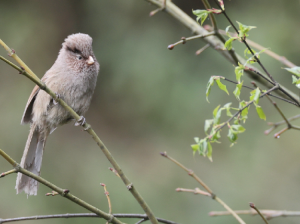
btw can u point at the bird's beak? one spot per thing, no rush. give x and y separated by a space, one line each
90 60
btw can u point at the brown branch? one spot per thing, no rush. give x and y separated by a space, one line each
214 41
24 70
213 196
63 192
268 214
86 215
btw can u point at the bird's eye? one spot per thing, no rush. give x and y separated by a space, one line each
79 57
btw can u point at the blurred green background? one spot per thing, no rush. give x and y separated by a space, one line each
149 99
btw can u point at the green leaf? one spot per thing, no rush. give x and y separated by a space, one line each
215 137
243 30
296 81
221 85
208 124
239 71
255 94
237 90
294 70
227 31
203 147
260 112
227 107
209 151
201 15
195 147
237 129
217 115
244 112
228 43
208 86
232 136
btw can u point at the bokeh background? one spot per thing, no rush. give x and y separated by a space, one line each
149 99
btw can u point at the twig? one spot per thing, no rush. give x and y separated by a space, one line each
195 191
240 110
211 15
8 172
259 47
61 191
108 198
77 215
275 125
87 127
268 214
245 42
216 42
213 196
258 212
185 39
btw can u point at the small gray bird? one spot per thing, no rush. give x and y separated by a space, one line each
72 77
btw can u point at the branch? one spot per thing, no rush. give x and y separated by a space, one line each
213 41
24 70
240 110
268 214
211 194
63 192
77 215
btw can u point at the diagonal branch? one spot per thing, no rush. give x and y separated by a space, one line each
62 192
215 42
211 194
86 126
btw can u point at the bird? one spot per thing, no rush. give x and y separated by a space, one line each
73 78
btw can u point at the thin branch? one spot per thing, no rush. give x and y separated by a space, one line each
213 196
63 192
268 214
185 39
258 212
245 42
202 49
77 215
259 47
216 42
270 94
108 198
240 110
211 15
275 125
87 127
8 172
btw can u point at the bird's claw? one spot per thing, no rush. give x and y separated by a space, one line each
58 97
80 121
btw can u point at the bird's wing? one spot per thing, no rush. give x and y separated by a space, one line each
27 115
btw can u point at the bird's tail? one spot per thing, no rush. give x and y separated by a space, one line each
31 161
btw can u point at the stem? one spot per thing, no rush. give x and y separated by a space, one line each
77 215
87 127
216 42
61 191
213 196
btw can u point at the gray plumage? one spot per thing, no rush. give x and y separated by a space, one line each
73 77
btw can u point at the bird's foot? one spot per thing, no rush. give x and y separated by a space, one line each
57 97
80 121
